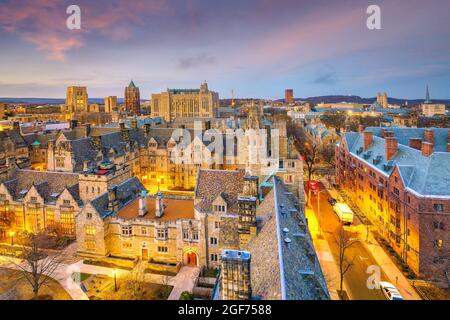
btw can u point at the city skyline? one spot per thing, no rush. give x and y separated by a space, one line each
256 48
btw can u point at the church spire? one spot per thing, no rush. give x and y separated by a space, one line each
427 98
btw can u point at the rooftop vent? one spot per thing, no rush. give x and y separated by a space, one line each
287 241
367 155
298 234
306 271
377 159
388 166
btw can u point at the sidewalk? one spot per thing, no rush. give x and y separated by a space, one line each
329 266
183 281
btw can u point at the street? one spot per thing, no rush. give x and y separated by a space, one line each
356 277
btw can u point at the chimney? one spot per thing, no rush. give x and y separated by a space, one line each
448 147
391 147
16 126
159 205
85 165
429 136
143 204
97 142
360 128
113 203
73 124
368 139
415 143
147 127
124 132
134 123
427 149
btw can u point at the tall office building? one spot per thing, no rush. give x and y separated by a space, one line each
185 103
235 282
289 96
76 100
132 100
110 103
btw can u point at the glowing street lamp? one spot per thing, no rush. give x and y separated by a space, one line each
11 234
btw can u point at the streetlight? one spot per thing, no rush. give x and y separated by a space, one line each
11 234
115 280
318 210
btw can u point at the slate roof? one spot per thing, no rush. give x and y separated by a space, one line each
426 176
48 184
127 191
404 134
212 183
284 270
15 137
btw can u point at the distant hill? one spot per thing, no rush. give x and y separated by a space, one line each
358 99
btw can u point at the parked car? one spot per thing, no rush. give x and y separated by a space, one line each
332 201
390 291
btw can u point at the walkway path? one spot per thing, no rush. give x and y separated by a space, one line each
184 281
326 260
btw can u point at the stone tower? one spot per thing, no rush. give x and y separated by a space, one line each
236 281
132 100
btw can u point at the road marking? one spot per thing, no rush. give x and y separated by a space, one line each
363 258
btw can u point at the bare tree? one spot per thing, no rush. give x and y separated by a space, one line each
134 284
327 154
38 266
344 242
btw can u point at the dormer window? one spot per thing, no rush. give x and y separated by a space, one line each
33 199
66 202
219 208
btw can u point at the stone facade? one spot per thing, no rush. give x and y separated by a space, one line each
76 100
185 103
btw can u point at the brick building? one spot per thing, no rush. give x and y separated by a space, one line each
400 178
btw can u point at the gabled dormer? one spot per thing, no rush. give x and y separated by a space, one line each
219 205
152 143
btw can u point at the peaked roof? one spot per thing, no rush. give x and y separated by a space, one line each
132 85
426 176
280 269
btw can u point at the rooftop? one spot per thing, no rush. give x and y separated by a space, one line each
174 209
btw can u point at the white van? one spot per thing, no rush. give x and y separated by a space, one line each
344 212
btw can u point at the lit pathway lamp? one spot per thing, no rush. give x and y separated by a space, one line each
115 280
11 234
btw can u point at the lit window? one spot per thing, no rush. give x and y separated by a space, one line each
438 243
90 229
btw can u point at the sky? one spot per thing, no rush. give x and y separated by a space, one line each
255 47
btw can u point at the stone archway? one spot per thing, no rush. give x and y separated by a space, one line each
191 258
